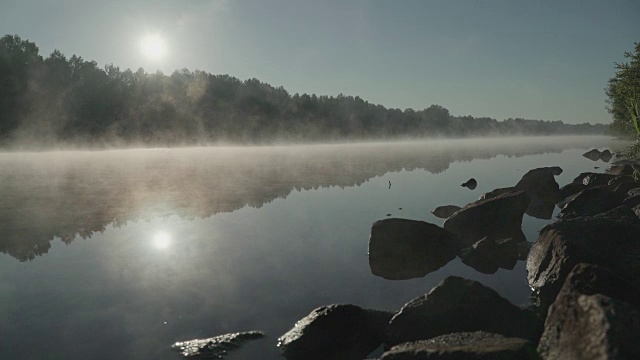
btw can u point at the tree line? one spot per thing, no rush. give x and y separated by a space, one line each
59 100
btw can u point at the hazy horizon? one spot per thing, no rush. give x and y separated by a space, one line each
496 59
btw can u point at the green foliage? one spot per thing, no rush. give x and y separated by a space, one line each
72 100
623 95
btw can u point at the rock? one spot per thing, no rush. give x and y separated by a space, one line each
541 183
335 332
402 249
445 211
459 305
496 192
593 154
540 209
487 255
606 155
609 239
590 327
215 347
470 184
632 201
562 204
590 179
623 189
463 346
498 217
620 179
590 202
571 189
624 162
636 210
617 170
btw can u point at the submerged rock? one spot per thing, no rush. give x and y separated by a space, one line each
593 154
459 305
341 332
487 255
591 318
470 184
609 239
404 249
445 211
590 202
215 347
498 218
464 345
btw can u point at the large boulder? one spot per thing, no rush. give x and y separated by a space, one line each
497 218
620 179
489 255
625 169
632 201
609 239
459 305
541 183
591 202
496 192
341 332
216 347
404 249
463 346
593 317
445 211
623 189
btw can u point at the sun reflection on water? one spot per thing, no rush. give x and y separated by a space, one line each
161 240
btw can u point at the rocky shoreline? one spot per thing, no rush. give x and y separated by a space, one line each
584 270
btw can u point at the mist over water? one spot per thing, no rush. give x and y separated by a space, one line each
120 253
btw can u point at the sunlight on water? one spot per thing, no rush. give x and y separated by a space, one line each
162 240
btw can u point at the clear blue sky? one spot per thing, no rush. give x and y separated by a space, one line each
509 58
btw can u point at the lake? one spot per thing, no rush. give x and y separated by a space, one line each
117 254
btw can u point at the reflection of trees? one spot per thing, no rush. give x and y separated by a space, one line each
71 194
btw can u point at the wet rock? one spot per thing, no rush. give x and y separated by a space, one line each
562 204
498 217
590 327
593 154
590 179
571 189
496 192
541 183
617 170
623 189
404 249
633 192
590 202
624 162
540 209
215 347
487 255
620 179
606 155
463 346
632 201
341 332
459 305
609 239
470 184
445 211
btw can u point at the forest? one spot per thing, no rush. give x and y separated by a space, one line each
58 101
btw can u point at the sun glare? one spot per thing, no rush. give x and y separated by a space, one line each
153 47
162 240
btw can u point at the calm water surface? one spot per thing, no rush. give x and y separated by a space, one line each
118 254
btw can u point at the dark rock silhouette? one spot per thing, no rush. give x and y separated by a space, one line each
464 345
215 347
460 305
621 179
606 155
488 255
541 183
593 154
445 211
341 332
624 169
498 218
591 202
470 184
580 326
496 192
570 189
608 239
632 201
404 249
590 179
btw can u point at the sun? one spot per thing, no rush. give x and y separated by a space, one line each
153 47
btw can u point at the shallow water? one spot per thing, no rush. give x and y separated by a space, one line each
118 254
